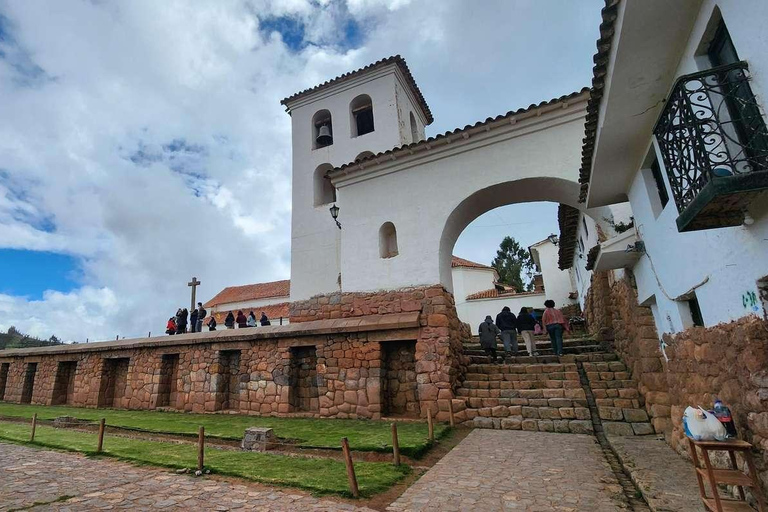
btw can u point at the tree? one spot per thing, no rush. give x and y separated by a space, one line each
511 261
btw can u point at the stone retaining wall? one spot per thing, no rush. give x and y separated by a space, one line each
261 370
439 345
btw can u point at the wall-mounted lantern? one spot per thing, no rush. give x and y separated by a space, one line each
335 214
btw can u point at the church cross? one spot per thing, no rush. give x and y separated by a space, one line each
193 284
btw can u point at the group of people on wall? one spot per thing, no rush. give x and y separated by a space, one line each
243 321
508 326
178 324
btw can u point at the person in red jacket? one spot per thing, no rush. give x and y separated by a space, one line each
170 327
242 322
555 324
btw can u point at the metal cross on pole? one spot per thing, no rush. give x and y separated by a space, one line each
193 284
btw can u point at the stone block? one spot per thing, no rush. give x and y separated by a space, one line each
546 426
511 424
480 422
642 429
530 412
635 415
530 425
610 413
259 439
567 413
550 413
582 413
615 428
580 427
561 426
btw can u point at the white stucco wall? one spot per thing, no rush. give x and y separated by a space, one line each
249 304
558 284
724 264
315 239
467 281
433 195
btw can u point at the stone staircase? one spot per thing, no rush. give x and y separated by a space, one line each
585 389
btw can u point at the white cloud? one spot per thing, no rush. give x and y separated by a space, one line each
152 136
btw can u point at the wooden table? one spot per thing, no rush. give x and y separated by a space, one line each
732 476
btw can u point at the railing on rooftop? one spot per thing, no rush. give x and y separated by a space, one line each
710 131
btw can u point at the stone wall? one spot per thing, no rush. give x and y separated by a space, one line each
439 348
726 361
598 307
323 368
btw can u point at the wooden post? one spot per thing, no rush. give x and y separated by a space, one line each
430 425
350 467
34 427
201 448
102 427
395 446
450 413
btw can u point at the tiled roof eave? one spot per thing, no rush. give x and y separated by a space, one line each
609 14
445 138
395 59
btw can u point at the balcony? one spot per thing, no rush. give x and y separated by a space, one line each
714 145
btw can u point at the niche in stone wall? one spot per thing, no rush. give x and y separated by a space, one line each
226 380
400 396
64 383
303 393
4 369
29 383
114 379
169 377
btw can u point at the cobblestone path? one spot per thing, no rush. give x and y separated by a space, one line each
29 476
517 470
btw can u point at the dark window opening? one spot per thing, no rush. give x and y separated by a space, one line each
303 393
400 394
4 370
64 384
659 180
114 380
226 381
364 120
322 129
696 317
169 377
29 383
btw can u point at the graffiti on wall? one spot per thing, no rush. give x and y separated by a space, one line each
749 301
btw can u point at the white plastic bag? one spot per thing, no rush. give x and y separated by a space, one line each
704 426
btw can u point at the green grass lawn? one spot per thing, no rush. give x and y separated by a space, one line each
364 435
321 476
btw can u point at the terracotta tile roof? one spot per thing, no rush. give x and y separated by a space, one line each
609 14
273 311
395 59
592 255
494 293
461 262
450 135
568 220
251 292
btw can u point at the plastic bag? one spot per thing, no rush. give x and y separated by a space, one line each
702 425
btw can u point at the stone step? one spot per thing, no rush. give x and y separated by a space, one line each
577 349
532 367
479 403
522 385
612 384
545 356
541 425
612 366
574 393
540 343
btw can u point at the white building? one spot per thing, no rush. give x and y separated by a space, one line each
699 250
404 200
558 284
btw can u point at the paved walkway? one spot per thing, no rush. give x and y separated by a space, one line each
517 470
29 476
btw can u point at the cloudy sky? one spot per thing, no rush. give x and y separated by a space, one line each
143 142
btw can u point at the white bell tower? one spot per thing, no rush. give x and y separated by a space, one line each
368 111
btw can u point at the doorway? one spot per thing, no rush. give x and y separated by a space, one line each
29 383
303 394
399 386
64 384
114 378
169 376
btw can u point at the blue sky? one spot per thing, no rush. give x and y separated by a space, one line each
143 142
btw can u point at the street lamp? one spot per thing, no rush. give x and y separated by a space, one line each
553 238
335 214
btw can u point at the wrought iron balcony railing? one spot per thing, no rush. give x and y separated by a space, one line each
711 128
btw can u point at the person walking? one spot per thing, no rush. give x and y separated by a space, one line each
212 323
506 322
201 314
526 326
170 327
178 321
251 320
554 322
242 322
264 320
193 321
229 321
488 332
183 323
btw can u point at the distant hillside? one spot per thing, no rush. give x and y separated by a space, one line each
16 339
